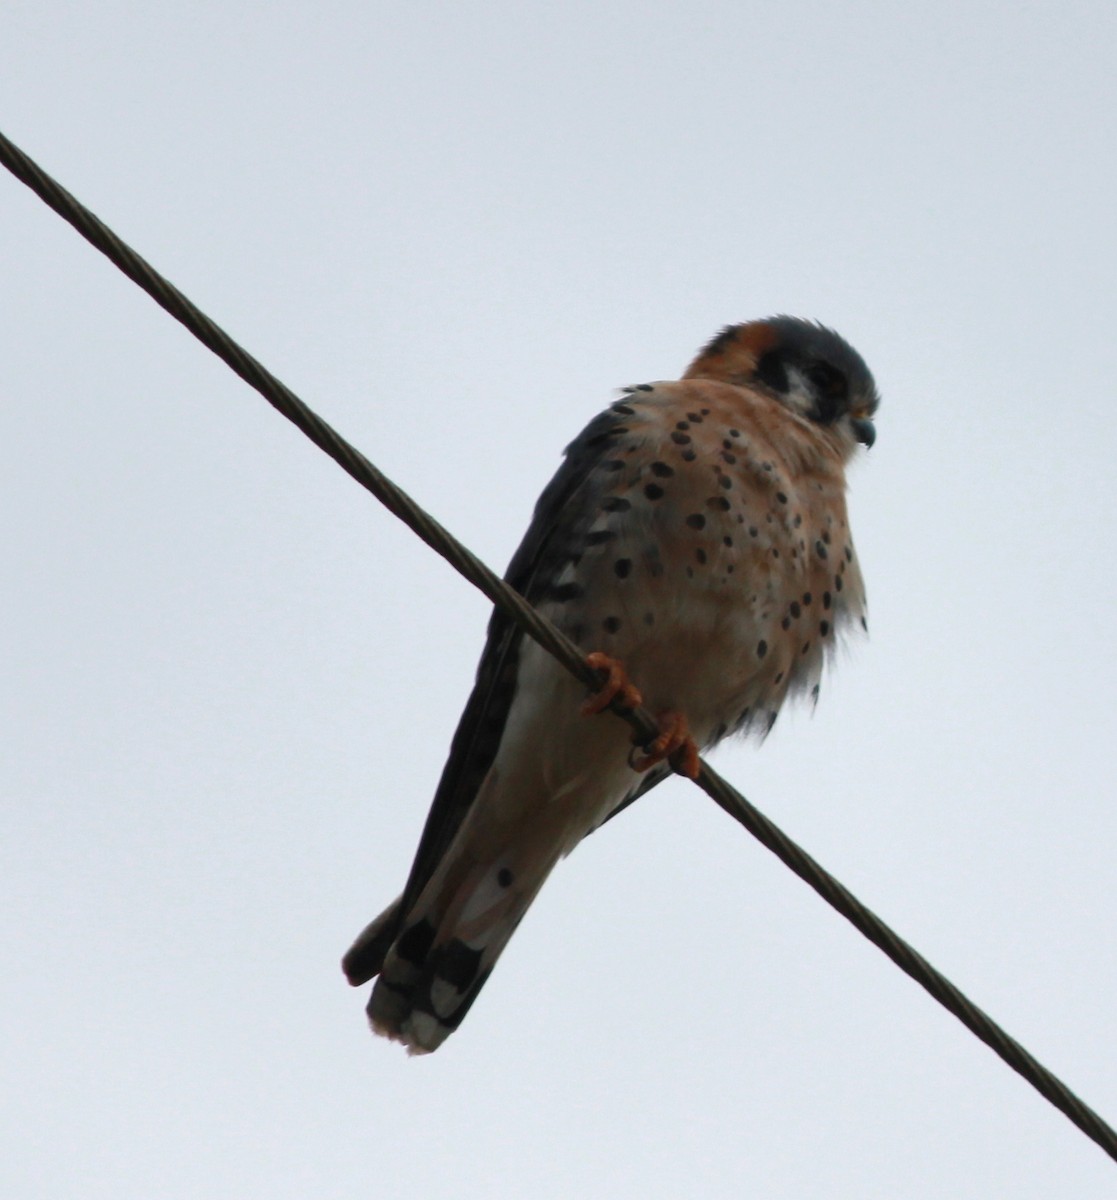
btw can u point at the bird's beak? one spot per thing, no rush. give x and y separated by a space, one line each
864 430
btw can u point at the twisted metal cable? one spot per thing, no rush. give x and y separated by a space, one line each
550 638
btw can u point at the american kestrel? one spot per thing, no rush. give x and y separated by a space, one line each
695 544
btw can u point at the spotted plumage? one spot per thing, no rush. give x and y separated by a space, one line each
697 532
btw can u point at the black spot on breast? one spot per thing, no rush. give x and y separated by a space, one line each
613 464
617 504
848 553
504 877
824 627
826 599
725 481
695 417
807 598
600 536
689 456
779 678
700 555
781 497
681 439
729 458
785 623
682 425
775 552
864 625
761 648
826 538
837 583
623 568
753 531
623 410
726 540
653 491
820 549
611 624
796 611
734 433
649 618
798 521
806 647
726 444
662 470
719 503
696 521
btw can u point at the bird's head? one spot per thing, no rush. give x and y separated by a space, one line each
806 367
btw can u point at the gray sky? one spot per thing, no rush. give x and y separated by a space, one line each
230 678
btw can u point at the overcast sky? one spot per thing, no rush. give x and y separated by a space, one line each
230 677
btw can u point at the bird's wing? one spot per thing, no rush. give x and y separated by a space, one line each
564 512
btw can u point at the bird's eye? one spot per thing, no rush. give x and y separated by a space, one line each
831 390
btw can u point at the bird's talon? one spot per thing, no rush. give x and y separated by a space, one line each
616 686
673 745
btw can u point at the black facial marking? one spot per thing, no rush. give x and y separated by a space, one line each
770 370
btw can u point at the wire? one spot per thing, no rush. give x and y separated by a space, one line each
550 638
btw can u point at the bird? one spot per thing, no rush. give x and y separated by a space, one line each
695 545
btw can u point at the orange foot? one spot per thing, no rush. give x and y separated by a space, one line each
615 687
674 745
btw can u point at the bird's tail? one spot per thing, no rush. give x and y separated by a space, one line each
433 960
